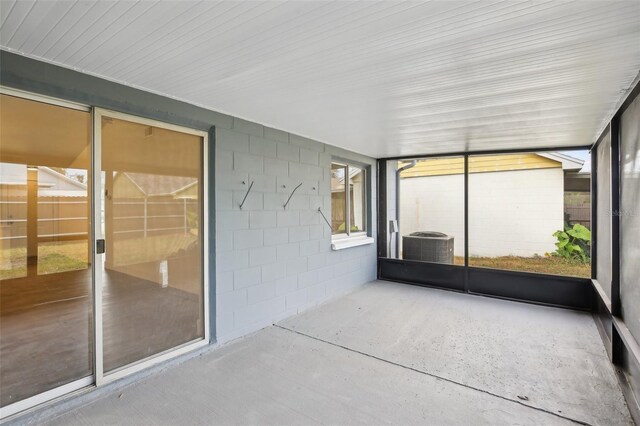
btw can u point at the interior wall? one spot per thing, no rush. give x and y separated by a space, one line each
603 234
273 262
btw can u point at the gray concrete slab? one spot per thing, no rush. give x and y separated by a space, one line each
547 358
280 377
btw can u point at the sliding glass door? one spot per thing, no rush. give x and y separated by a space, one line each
102 246
151 274
46 292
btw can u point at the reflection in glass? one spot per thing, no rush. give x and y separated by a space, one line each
357 199
432 210
338 199
152 280
45 278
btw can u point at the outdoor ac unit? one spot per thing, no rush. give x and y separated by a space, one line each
428 246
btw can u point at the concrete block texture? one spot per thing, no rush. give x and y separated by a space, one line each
248 127
273 262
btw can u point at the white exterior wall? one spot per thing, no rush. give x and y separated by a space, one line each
434 203
392 213
510 213
272 263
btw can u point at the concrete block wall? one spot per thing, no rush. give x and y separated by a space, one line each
515 212
511 212
273 262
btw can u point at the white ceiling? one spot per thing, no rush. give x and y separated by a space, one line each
380 78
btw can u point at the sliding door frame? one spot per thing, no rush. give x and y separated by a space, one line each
101 376
57 392
98 377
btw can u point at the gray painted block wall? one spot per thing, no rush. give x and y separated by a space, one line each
265 270
273 262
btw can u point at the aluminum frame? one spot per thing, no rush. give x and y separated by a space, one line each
60 391
99 378
348 234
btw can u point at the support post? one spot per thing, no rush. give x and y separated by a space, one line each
32 220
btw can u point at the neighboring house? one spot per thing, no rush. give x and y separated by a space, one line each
504 219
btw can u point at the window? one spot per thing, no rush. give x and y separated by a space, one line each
348 205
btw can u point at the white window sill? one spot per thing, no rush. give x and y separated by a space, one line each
345 243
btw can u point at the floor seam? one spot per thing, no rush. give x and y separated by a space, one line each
580 422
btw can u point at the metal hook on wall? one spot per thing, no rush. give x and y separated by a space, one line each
325 218
246 195
292 192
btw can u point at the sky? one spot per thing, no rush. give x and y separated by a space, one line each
581 154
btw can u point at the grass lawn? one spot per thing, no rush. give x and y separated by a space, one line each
72 255
545 265
52 258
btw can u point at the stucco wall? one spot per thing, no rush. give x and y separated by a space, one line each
274 262
510 213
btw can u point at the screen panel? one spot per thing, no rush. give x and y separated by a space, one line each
431 209
630 217
604 214
530 212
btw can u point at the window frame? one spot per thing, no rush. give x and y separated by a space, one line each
348 234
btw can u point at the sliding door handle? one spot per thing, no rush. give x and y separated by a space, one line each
100 245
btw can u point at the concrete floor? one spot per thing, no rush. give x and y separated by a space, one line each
388 353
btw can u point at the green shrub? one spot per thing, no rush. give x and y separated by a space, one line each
343 226
574 243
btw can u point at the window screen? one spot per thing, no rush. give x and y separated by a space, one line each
630 217
604 214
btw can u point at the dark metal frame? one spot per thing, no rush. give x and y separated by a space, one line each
615 217
622 348
489 152
383 230
552 290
